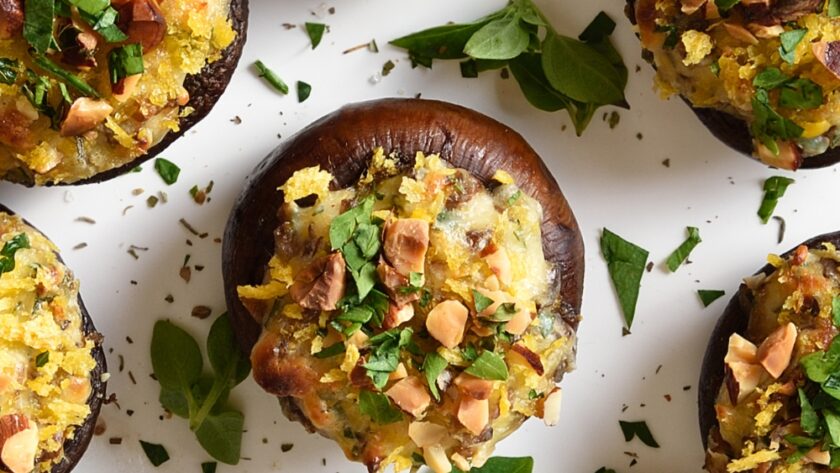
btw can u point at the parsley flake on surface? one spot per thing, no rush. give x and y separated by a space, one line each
638 429
167 170
707 296
271 77
156 453
626 265
316 33
681 254
774 189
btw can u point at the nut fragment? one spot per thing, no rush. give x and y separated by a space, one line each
474 414
143 21
775 351
741 379
446 323
530 357
405 243
84 115
473 387
19 450
320 285
435 457
828 53
424 434
410 395
551 407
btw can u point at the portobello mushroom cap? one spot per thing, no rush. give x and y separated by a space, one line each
74 448
731 130
204 89
341 144
734 320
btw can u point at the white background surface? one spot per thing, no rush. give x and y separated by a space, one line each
611 178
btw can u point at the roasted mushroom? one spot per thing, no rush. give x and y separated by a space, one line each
765 383
760 75
367 165
72 386
152 70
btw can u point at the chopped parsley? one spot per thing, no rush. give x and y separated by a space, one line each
626 265
488 365
684 250
789 40
167 170
156 453
271 77
42 359
125 61
707 296
433 366
774 189
7 254
304 90
9 69
316 33
638 429
378 407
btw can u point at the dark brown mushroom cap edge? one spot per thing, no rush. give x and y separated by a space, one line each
734 320
204 88
733 131
342 143
74 448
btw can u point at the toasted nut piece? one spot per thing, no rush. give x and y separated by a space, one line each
11 424
789 156
394 283
462 463
828 53
19 450
740 33
405 243
398 373
435 457
359 338
425 434
532 359
740 349
691 6
474 414
473 387
397 315
818 456
410 395
499 263
551 407
712 12
446 323
84 115
741 379
321 284
519 323
143 21
775 351
766 32
123 89
492 283
11 18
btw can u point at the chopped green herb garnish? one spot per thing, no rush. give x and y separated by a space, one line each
271 78
768 125
167 170
514 197
833 8
488 365
71 79
125 61
638 429
378 407
38 24
503 465
715 68
726 5
707 296
42 359
332 350
156 453
433 366
770 78
10 248
316 33
801 94
481 301
9 69
684 250
835 311
304 90
626 264
208 467
789 40
774 189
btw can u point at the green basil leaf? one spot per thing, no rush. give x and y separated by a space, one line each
156 453
38 24
378 407
365 279
529 12
42 359
604 469
770 78
789 41
304 90
601 27
221 436
125 61
726 5
316 33
820 365
500 39
167 170
503 465
684 250
707 296
504 312
225 357
415 279
832 424
17 242
442 42
358 314
833 8
774 189
208 467
808 420
433 366
91 7
366 237
768 124
481 301
175 402
488 365
626 264
580 71
331 351
528 71
638 429
801 94
835 311
9 69
800 441
271 77
71 79
176 358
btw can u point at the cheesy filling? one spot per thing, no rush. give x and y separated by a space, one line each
51 132
462 309
45 357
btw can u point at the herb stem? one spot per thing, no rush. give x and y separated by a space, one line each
213 397
73 80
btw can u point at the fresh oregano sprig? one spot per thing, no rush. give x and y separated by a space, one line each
555 72
186 391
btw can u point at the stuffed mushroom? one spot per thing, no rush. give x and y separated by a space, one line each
89 90
768 399
761 75
52 366
407 276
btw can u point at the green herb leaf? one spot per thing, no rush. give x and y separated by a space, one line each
726 5
601 27
92 7
500 39
105 24
833 8
271 77
10 248
638 429
304 90
504 312
366 238
176 358
820 365
378 407
770 78
175 402
835 311
707 296
9 69
684 250
768 124
832 424
774 189
808 420
42 359
443 42
481 301
580 71
71 79
208 467
626 265
503 465
528 71
801 94
331 351
433 366
221 436
789 41
316 33
167 170
224 354
125 61
156 453
38 24
488 365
